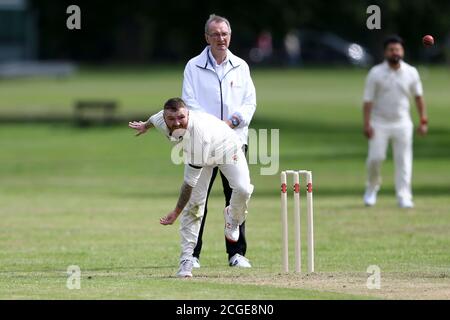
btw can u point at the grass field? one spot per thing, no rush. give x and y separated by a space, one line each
92 197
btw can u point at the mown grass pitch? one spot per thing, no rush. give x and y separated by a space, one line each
92 197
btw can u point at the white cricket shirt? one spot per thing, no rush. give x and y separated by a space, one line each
391 90
207 141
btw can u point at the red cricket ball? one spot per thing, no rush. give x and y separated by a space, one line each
428 40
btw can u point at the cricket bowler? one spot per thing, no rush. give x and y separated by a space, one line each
206 142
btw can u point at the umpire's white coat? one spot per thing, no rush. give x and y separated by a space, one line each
232 94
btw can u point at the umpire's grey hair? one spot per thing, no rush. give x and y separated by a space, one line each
214 18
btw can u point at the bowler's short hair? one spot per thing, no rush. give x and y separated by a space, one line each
217 19
174 104
392 39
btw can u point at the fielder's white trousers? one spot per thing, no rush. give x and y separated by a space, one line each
238 175
401 135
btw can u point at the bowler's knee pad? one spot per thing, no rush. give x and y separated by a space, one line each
245 190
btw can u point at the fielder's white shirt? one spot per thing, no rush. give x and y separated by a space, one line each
207 141
391 90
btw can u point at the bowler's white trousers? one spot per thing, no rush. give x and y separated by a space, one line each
238 175
401 135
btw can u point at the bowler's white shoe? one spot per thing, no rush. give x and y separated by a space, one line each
185 270
239 261
405 203
231 227
196 263
370 197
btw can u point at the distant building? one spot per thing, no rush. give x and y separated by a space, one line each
18 31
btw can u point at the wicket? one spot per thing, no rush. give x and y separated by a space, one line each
284 219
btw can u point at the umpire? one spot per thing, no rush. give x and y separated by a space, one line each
219 83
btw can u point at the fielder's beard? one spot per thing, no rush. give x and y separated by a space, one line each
394 60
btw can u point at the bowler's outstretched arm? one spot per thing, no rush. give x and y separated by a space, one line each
185 195
140 126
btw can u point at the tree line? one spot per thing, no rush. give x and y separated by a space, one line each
150 31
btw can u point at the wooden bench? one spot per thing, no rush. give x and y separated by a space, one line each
95 112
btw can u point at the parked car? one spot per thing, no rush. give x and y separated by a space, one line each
328 48
306 47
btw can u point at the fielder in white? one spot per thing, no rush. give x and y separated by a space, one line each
389 87
206 142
